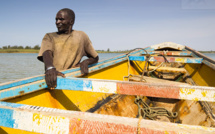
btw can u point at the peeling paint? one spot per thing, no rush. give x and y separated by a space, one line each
54 122
170 59
204 93
197 94
21 92
106 87
186 91
50 124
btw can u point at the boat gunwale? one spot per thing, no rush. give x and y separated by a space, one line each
206 60
172 91
16 115
42 77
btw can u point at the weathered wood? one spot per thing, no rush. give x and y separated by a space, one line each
168 69
170 53
49 120
175 91
196 53
169 59
168 45
206 60
156 80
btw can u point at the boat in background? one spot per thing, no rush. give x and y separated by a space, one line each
164 88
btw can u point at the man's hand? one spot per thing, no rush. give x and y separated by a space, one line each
84 68
84 65
51 72
51 78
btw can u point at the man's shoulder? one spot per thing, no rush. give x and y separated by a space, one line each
81 35
75 33
79 32
52 34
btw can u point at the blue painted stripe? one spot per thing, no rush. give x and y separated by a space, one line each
22 82
87 84
137 58
13 105
6 118
185 53
205 60
176 59
5 94
18 83
149 49
76 84
64 83
196 60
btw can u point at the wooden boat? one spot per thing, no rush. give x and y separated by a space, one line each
165 88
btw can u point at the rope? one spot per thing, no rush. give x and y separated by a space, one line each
138 125
156 68
130 75
128 65
128 70
147 60
152 112
148 56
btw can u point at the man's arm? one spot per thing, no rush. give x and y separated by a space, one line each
84 65
51 73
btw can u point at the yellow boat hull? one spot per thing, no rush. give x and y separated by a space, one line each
102 101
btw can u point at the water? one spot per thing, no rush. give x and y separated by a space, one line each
211 55
15 66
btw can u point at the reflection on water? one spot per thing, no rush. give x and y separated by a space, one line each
15 66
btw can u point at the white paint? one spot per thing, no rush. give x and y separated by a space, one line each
40 123
53 124
87 86
169 45
197 94
23 120
50 124
105 87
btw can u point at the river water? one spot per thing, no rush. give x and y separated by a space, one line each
15 66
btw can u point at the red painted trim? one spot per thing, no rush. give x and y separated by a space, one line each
102 127
147 90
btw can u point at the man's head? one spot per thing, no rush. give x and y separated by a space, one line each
65 19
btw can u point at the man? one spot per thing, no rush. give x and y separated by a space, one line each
64 49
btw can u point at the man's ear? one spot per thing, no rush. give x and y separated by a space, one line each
71 22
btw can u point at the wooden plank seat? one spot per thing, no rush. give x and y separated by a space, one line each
168 69
147 79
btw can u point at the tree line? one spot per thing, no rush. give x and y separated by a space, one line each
37 47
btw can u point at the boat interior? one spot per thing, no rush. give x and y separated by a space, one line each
167 65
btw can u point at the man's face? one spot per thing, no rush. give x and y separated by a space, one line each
63 22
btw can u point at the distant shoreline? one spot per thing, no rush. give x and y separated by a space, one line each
19 51
37 51
206 51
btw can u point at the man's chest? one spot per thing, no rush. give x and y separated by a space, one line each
67 43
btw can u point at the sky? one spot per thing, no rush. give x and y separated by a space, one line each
113 24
